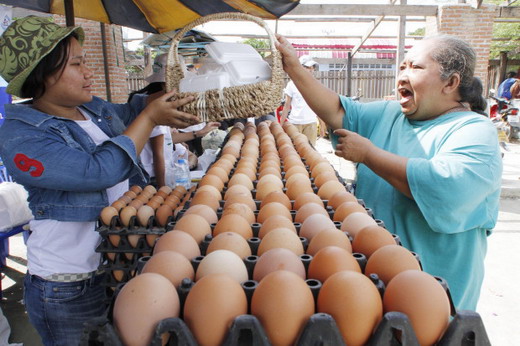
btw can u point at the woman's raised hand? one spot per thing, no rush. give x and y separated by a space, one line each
164 111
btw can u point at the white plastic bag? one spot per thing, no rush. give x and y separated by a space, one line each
14 208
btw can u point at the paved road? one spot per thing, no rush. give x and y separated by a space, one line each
499 305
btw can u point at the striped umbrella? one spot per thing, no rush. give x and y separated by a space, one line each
156 16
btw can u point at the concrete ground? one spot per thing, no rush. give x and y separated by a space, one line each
499 304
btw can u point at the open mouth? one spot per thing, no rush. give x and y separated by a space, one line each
406 95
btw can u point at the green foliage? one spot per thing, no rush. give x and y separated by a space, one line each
261 45
509 32
418 32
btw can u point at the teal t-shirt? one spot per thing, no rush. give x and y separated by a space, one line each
454 172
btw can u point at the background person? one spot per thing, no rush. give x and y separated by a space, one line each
504 89
74 154
296 110
429 166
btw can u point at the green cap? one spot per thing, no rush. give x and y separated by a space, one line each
25 43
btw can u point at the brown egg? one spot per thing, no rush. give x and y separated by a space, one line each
126 214
246 199
144 214
162 194
347 208
330 260
241 179
323 166
170 264
203 210
206 198
240 189
213 180
281 237
179 191
249 171
211 306
278 259
195 225
355 304
118 205
328 237
172 201
371 238
240 209
166 189
324 177
273 208
277 196
355 222
178 241
282 298
107 214
162 214
422 298
274 222
150 189
298 188
295 169
390 260
212 189
235 223
307 197
220 172
270 170
222 262
309 209
330 188
314 224
154 204
126 199
266 188
298 178
230 241
339 198
142 302
136 188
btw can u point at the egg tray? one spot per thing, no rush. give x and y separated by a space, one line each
466 328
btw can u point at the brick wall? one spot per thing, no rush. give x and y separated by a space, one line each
115 58
473 25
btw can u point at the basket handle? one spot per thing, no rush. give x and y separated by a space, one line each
174 72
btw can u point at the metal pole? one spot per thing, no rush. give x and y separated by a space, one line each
349 74
69 12
105 61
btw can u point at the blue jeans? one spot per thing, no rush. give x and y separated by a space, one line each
58 309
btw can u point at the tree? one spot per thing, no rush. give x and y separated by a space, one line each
509 35
261 45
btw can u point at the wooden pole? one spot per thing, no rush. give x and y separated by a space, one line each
69 12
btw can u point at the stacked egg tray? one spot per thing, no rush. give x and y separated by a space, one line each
126 258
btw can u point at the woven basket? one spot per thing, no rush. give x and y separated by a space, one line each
245 101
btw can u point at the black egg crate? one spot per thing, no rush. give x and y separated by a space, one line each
466 327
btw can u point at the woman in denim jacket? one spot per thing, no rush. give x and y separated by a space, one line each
74 154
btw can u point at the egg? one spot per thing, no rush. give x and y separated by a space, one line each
162 214
141 304
298 187
266 188
230 241
203 210
235 223
126 215
347 208
107 214
422 298
170 264
177 241
277 196
340 197
220 172
213 180
355 304
222 262
144 214
212 189
240 209
283 303
195 225
308 210
118 205
206 198
136 188
330 260
355 222
371 238
241 179
240 189
321 167
307 197
330 188
278 259
314 224
324 177
390 260
273 222
281 237
273 208
211 307
246 199
248 170
329 237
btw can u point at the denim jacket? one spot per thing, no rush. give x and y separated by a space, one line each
64 172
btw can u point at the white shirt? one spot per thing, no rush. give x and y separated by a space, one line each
300 113
69 247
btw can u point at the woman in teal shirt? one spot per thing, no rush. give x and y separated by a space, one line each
429 164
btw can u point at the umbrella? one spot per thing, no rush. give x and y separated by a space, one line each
156 16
